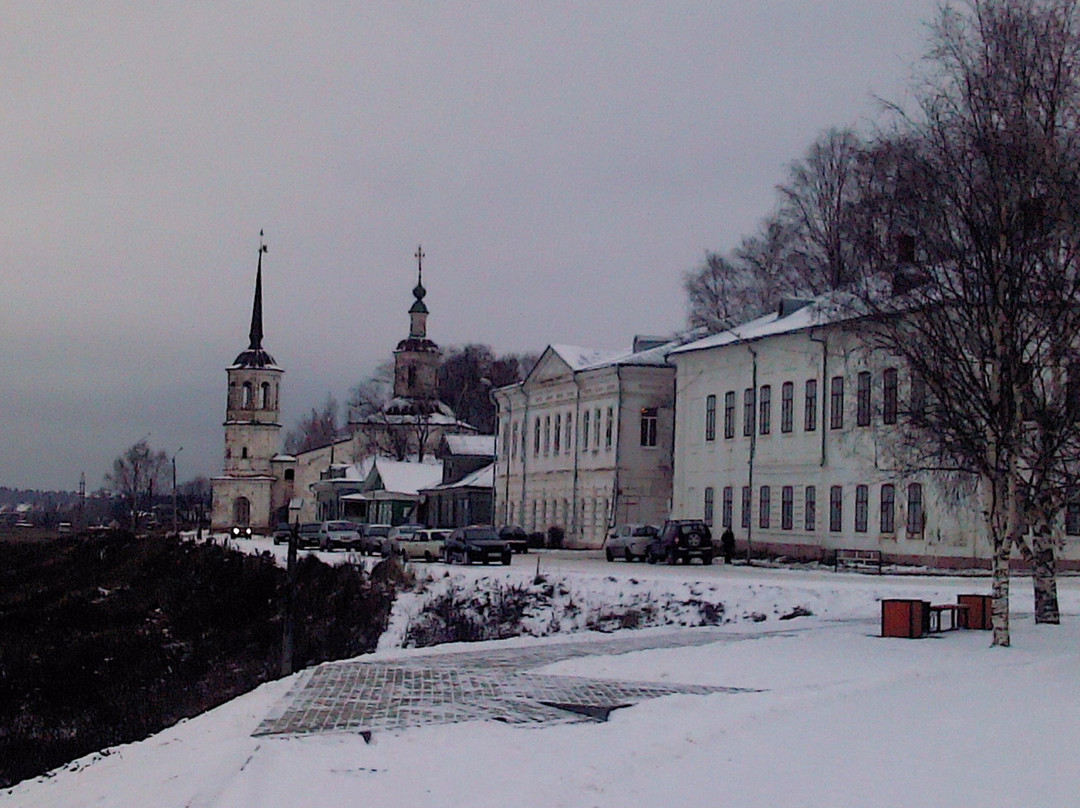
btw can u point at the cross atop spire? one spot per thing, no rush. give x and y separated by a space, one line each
419 291
256 333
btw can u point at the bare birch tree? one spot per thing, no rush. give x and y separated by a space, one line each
989 176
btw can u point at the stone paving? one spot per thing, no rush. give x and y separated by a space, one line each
493 684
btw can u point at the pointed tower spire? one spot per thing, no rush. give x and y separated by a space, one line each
255 356
256 309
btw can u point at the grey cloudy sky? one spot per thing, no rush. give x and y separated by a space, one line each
563 163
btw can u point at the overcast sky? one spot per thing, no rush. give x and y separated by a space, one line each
562 163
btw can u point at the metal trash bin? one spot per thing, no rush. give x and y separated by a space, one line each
905 618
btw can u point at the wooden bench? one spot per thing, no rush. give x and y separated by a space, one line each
858 559
957 617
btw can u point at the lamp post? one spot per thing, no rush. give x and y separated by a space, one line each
175 529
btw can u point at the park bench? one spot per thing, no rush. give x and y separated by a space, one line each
914 618
858 560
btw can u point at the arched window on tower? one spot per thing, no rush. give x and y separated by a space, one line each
412 376
246 402
264 397
231 403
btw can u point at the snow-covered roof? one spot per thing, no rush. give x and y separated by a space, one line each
483 445
589 358
407 477
823 310
481 478
283 458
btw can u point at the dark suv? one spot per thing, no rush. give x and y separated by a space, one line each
516 537
682 539
476 543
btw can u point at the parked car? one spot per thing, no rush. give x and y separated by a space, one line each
426 544
339 534
476 543
240 531
282 533
309 534
516 537
630 542
681 540
373 538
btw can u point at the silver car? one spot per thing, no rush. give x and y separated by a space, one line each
339 534
629 541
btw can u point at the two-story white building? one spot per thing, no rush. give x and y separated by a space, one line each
585 442
785 432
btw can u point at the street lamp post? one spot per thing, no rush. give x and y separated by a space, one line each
175 529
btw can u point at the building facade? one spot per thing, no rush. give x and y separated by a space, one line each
585 442
787 431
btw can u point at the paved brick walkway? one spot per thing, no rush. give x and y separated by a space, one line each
490 684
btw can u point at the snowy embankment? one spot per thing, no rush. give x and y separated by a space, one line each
841 717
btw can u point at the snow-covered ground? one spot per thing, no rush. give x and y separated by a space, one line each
842 716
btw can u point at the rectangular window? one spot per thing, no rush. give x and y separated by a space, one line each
547 434
558 433
862 400
748 412
709 506
862 508
649 421
787 507
810 410
787 406
889 383
888 508
585 431
810 509
536 436
745 518
836 403
725 512
729 414
596 429
765 409
609 423
764 506
916 519
1072 513
918 398
710 417
569 432
836 509
514 441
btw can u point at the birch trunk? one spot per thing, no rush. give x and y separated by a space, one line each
1044 579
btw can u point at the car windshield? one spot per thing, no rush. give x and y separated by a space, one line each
310 527
378 530
339 527
645 530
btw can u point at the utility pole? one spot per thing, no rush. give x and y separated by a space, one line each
290 588
175 529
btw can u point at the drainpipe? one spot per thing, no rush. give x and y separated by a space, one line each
524 454
753 453
575 528
617 426
824 392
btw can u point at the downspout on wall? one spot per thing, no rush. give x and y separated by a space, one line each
753 452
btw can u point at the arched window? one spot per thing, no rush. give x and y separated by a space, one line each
247 400
243 453
264 397
290 474
241 511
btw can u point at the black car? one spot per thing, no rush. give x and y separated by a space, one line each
282 533
516 537
476 543
309 534
681 540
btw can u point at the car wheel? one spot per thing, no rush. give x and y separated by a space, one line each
610 555
707 559
428 556
629 555
650 557
506 559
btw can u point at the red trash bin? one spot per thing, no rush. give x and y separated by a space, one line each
905 618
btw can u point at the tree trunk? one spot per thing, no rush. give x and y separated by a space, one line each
1044 580
999 608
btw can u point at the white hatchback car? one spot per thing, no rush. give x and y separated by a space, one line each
629 541
426 544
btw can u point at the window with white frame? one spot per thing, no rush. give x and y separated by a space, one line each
765 409
916 518
862 399
649 422
764 506
709 494
810 406
725 508
889 397
862 508
745 515
810 508
729 414
748 412
888 508
836 403
787 507
836 509
787 406
710 417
